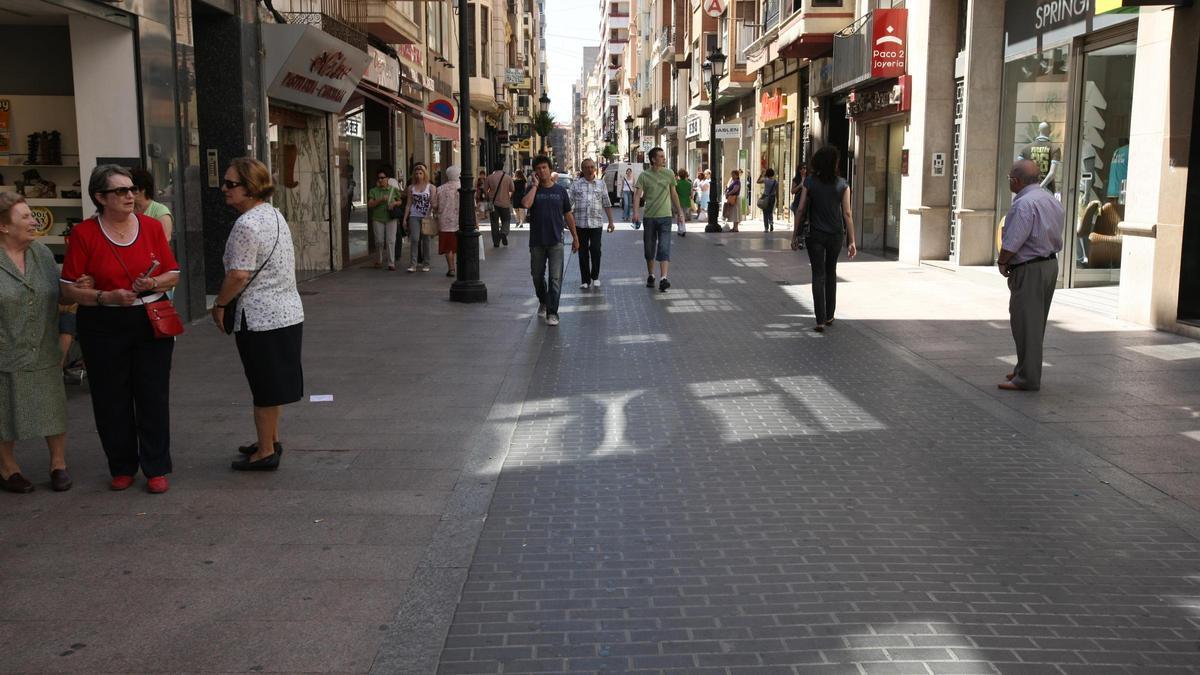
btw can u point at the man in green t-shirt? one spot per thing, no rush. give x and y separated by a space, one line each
657 185
379 199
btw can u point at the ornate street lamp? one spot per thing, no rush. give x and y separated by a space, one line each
467 287
629 129
714 69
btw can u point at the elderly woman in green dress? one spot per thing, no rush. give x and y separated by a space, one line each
33 402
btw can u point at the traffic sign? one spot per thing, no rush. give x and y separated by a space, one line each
714 8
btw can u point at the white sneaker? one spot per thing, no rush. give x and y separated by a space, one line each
542 311
424 268
552 320
595 283
412 269
585 286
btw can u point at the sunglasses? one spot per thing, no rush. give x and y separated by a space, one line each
231 184
123 191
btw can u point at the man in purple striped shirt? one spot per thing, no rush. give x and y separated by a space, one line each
1031 240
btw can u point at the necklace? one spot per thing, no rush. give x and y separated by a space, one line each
119 235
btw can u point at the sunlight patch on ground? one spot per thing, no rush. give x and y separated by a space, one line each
645 338
834 410
1179 351
725 281
748 262
702 306
1194 435
746 418
615 422
748 408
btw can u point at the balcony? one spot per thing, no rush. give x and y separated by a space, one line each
667 117
343 19
808 32
484 94
385 21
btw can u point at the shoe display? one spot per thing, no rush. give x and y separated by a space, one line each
60 480
158 485
663 285
552 320
16 483
121 482
268 463
650 281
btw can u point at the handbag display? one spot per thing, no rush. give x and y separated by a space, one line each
229 318
164 320
429 226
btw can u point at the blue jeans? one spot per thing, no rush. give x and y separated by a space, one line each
539 258
627 205
656 239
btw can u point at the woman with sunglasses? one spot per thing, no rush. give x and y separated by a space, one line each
128 257
260 263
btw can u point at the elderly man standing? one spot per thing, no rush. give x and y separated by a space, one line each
591 206
1031 240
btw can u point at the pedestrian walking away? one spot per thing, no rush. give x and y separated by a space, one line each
129 368
767 200
549 207
794 205
627 204
703 192
382 199
260 271
1030 241
657 185
825 201
591 209
732 208
420 205
33 401
519 187
498 190
446 206
683 185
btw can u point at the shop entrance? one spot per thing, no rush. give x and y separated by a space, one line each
879 221
1101 158
776 147
1189 272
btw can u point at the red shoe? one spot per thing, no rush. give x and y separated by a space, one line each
157 485
121 482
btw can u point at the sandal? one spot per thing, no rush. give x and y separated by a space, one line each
449 273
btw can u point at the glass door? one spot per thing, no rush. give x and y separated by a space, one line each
1100 166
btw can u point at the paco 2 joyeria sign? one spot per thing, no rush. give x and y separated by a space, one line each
889 43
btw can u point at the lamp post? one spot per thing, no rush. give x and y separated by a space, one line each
629 130
545 101
467 287
714 67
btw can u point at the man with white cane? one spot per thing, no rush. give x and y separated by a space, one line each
549 208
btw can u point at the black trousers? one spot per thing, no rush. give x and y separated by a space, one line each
130 375
823 252
589 253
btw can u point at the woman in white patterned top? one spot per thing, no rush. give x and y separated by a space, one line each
260 263
420 204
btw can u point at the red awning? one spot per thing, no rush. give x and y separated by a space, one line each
440 127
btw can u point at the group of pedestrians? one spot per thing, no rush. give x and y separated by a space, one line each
119 270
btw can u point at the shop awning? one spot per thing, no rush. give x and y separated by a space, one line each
441 127
368 89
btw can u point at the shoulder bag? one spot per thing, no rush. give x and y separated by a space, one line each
229 319
394 212
164 320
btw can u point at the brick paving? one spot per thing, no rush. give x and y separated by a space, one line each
697 483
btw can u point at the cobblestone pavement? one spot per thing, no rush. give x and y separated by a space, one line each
698 483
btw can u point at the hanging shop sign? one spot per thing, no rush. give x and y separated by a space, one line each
729 131
352 125
309 67
383 70
444 108
646 143
889 43
410 52
514 77
772 108
697 126
502 137
894 98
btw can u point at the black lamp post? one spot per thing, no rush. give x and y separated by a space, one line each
629 130
714 67
467 287
545 101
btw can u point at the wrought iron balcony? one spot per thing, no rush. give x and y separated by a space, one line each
343 19
667 116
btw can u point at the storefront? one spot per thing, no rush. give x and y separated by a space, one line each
1066 104
781 107
312 76
696 132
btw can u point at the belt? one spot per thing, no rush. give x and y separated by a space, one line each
1044 258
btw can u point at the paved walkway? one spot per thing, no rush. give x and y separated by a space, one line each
692 481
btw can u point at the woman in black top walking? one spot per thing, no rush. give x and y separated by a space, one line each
767 200
825 198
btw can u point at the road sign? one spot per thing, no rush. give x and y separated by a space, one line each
714 8
729 131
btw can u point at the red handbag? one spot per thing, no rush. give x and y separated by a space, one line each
164 320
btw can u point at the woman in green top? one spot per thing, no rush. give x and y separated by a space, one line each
683 186
33 402
380 200
143 201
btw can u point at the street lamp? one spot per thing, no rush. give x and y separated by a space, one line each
629 129
545 101
467 287
714 68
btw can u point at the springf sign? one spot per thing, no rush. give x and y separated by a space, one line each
889 43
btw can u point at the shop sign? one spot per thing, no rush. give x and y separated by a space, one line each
772 108
513 77
646 144
310 67
896 98
444 108
729 131
411 52
352 125
714 8
383 70
889 43
502 137
697 126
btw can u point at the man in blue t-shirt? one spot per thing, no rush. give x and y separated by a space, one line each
549 208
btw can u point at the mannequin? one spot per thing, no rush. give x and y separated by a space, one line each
1044 153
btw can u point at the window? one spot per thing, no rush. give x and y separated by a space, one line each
485 29
472 63
433 22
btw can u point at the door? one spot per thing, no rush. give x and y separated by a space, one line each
1101 158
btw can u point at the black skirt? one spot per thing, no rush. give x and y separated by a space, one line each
271 359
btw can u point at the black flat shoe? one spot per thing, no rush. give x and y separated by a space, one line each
60 480
268 463
16 483
253 448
